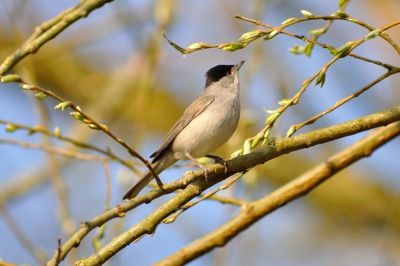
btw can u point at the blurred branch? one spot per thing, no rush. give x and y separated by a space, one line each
252 212
54 150
78 115
11 127
277 148
96 241
37 252
50 29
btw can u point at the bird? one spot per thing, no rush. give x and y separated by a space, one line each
208 123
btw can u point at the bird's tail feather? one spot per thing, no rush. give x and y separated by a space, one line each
144 180
159 166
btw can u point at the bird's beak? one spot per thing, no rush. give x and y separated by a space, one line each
239 65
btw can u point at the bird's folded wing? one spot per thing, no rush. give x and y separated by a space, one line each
196 108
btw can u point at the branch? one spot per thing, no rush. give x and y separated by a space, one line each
239 164
252 212
78 115
50 29
11 127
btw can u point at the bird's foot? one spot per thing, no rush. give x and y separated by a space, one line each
219 160
202 167
205 170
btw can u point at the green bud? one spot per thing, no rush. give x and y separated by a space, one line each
195 46
120 140
320 79
269 111
229 48
246 147
27 87
288 21
342 14
238 45
250 35
35 129
345 49
308 48
291 131
62 106
297 50
57 131
272 118
316 32
10 78
104 127
332 50
307 14
93 126
234 46
255 142
266 136
372 34
41 95
77 116
11 128
169 220
284 102
272 34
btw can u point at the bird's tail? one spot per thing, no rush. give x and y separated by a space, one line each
144 180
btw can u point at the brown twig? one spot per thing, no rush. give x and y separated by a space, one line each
77 143
345 100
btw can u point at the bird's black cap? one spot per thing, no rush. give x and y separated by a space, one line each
218 72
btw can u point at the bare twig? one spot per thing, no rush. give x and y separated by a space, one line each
77 143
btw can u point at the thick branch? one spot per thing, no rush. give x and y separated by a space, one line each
280 147
252 212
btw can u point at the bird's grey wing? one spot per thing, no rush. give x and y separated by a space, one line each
197 107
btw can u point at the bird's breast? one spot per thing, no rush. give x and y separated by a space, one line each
209 130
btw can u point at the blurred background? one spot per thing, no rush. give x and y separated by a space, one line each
118 68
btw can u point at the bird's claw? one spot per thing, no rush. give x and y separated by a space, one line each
205 170
219 160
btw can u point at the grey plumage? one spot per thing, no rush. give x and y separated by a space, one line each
206 124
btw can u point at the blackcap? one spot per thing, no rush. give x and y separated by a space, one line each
206 124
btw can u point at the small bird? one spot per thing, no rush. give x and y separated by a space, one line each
206 124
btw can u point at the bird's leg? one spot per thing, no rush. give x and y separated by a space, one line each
219 160
202 167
